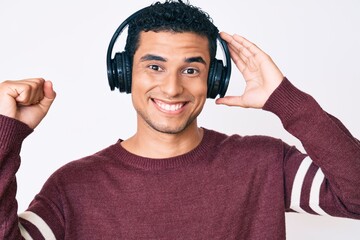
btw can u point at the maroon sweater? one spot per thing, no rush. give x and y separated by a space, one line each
229 187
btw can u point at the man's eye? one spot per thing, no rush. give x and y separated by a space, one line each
155 67
190 71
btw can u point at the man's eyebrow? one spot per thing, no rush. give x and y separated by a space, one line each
195 59
152 57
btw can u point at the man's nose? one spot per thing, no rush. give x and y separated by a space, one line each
172 85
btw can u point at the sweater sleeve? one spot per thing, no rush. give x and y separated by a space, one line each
30 224
326 181
12 134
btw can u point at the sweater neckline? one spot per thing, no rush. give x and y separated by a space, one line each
197 154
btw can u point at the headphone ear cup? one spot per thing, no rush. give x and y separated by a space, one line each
121 72
111 73
127 72
215 78
210 81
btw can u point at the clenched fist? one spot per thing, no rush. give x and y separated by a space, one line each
26 100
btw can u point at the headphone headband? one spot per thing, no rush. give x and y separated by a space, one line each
119 30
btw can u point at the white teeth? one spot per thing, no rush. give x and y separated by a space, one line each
169 107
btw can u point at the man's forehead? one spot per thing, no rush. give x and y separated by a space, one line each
194 45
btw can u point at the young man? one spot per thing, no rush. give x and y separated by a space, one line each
172 179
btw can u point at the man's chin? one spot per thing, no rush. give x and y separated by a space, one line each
168 129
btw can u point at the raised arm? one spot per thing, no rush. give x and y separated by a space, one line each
327 180
23 104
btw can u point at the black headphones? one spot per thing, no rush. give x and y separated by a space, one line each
119 68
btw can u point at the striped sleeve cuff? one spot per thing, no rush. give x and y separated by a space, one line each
306 189
36 222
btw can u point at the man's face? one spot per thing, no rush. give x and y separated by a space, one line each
169 80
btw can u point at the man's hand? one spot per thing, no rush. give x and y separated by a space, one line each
26 100
261 74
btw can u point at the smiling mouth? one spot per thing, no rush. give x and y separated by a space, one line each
169 107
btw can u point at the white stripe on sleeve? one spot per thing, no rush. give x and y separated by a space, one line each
297 185
315 193
24 233
37 221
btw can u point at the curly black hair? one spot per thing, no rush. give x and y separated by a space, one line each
171 16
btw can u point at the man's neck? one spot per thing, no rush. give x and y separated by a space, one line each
148 142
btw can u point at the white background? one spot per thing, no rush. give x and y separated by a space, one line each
315 43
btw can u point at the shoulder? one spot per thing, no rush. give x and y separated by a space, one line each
236 141
81 178
88 167
246 149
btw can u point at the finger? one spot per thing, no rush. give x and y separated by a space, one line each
28 91
237 59
49 94
226 36
241 55
248 46
37 90
237 43
49 90
241 44
243 62
231 101
231 42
